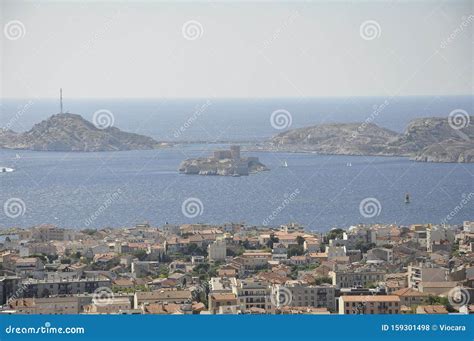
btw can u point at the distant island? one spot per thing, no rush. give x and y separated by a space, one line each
429 139
223 162
67 132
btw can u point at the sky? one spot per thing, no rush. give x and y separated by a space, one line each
232 49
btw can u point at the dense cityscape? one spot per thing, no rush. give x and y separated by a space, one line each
238 269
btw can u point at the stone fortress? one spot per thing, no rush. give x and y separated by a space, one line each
223 162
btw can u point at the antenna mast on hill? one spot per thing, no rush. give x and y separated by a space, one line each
61 99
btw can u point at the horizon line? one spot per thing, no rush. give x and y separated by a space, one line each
238 98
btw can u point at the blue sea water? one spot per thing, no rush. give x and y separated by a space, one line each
125 188
114 189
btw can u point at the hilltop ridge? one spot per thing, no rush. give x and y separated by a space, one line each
71 132
430 139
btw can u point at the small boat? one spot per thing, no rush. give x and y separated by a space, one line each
349 164
285 164
407 198
17 156
6 170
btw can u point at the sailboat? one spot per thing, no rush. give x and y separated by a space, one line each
407 198
285 164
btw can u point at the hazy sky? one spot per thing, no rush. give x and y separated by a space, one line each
237 49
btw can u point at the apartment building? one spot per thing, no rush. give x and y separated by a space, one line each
425 273
252 293
217 250
68 286
48 233
161 296
377 304
305 295
221 302
48 305
355 278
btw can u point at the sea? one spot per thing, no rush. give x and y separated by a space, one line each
118 189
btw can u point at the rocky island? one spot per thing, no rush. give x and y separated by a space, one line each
431 139
223 162
67 132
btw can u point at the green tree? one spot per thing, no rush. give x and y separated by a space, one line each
295 250
140 254
335 234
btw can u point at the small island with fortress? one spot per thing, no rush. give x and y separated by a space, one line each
223 162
